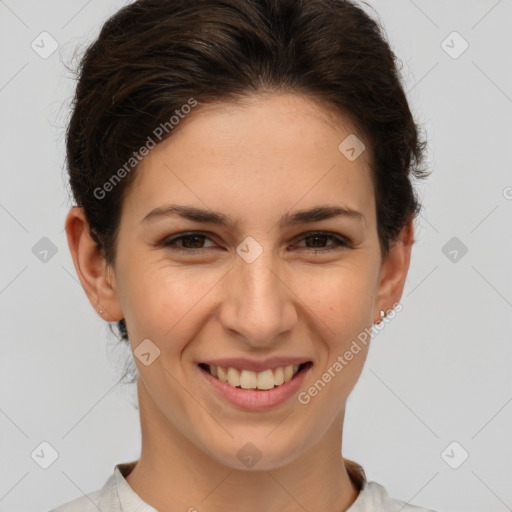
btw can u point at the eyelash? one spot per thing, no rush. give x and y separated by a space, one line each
340 242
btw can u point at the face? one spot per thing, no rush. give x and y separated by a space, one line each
266 283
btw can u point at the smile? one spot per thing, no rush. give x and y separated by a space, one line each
247 379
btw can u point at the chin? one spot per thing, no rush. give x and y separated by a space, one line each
256 452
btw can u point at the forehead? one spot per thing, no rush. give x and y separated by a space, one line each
260 155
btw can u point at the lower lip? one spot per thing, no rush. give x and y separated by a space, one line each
257 400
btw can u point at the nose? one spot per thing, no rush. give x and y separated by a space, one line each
260 304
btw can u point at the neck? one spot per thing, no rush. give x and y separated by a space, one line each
173 474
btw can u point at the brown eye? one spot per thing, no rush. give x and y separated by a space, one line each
319 239
191 243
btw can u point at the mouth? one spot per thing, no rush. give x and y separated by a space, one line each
256 381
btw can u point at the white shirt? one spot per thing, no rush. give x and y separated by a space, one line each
117 496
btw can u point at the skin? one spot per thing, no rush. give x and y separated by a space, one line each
270 155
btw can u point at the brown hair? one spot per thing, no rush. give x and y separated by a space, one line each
153 56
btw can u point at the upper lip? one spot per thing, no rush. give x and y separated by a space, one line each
242 363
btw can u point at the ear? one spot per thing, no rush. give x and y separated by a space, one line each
394 270
96 276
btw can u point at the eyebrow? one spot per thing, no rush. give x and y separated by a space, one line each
193 213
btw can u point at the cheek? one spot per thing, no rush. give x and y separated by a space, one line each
162 302
342 301
342 297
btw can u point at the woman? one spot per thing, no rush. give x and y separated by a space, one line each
244 212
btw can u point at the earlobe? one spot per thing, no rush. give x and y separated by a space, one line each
91 267
394 269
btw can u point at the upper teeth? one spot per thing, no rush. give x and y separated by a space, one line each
248 379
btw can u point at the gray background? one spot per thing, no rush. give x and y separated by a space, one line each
438 373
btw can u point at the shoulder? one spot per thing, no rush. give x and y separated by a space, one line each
374 498
87 503
92 502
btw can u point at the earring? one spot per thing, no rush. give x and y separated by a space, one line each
100 309
382 314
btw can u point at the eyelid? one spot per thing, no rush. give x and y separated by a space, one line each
341 241
330 234
169 241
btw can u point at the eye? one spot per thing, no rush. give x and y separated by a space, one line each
320 237
193 242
